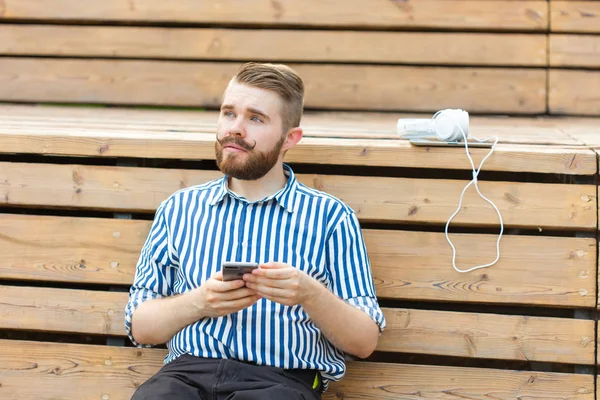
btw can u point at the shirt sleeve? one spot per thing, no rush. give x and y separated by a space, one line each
155 270
350 268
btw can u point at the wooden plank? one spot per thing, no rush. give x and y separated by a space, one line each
86 250
62 310
493 336
574 51
356 152
407 265
584 130
470 335
311 150
432 201
575 16
76 372
454 14
356 125
73 371
574 92
414 382
332 87
434 48
418 266
329 138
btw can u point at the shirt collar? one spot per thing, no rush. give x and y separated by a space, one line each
284 197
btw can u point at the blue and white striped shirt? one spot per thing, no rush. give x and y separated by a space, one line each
198 228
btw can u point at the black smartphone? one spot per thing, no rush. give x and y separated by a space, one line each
233 270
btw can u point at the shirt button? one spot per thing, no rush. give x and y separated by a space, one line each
244 244
239 328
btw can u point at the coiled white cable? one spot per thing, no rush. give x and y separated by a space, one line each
474 181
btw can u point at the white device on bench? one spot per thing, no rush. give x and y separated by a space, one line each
450 128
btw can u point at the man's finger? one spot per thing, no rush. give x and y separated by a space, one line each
238 294
241 303
269 292
265 281
273 265
278 273
222 286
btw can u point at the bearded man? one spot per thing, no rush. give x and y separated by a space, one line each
283 330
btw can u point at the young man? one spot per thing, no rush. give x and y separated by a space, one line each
282 331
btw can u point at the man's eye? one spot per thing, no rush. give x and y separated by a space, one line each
256 119
228 113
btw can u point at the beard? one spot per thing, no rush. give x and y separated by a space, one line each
257 163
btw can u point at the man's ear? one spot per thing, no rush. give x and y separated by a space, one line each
293 136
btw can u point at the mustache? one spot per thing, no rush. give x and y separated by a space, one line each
238 142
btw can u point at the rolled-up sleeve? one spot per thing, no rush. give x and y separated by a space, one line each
350 268
155 270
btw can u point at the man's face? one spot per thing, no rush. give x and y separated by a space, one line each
250 135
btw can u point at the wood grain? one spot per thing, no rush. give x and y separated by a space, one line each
574 51
508 337
366 381
76 372
574 16
454 14
456 334
331 87
406 265
574 92
321 151
418 265
159 123
342 138
585 130
434 48
114 142
72 371
62 310
432 201
79 250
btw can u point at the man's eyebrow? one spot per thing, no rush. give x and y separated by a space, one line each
258 112
227 107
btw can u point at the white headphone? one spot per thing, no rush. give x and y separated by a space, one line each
452 126
449 125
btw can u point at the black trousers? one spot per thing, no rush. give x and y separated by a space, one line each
193 378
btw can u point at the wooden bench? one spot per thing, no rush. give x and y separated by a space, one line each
79 185
59 267
574 50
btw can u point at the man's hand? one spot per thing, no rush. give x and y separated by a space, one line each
347 327
215 298
281 283
157 321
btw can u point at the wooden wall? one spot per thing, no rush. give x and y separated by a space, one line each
574 85
488 56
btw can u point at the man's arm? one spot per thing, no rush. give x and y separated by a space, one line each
345 326
154 314
348 314
157 321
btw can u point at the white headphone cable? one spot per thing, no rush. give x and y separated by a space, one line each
474 181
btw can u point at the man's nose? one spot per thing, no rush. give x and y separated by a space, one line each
237 128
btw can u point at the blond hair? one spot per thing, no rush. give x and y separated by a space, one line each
281 79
